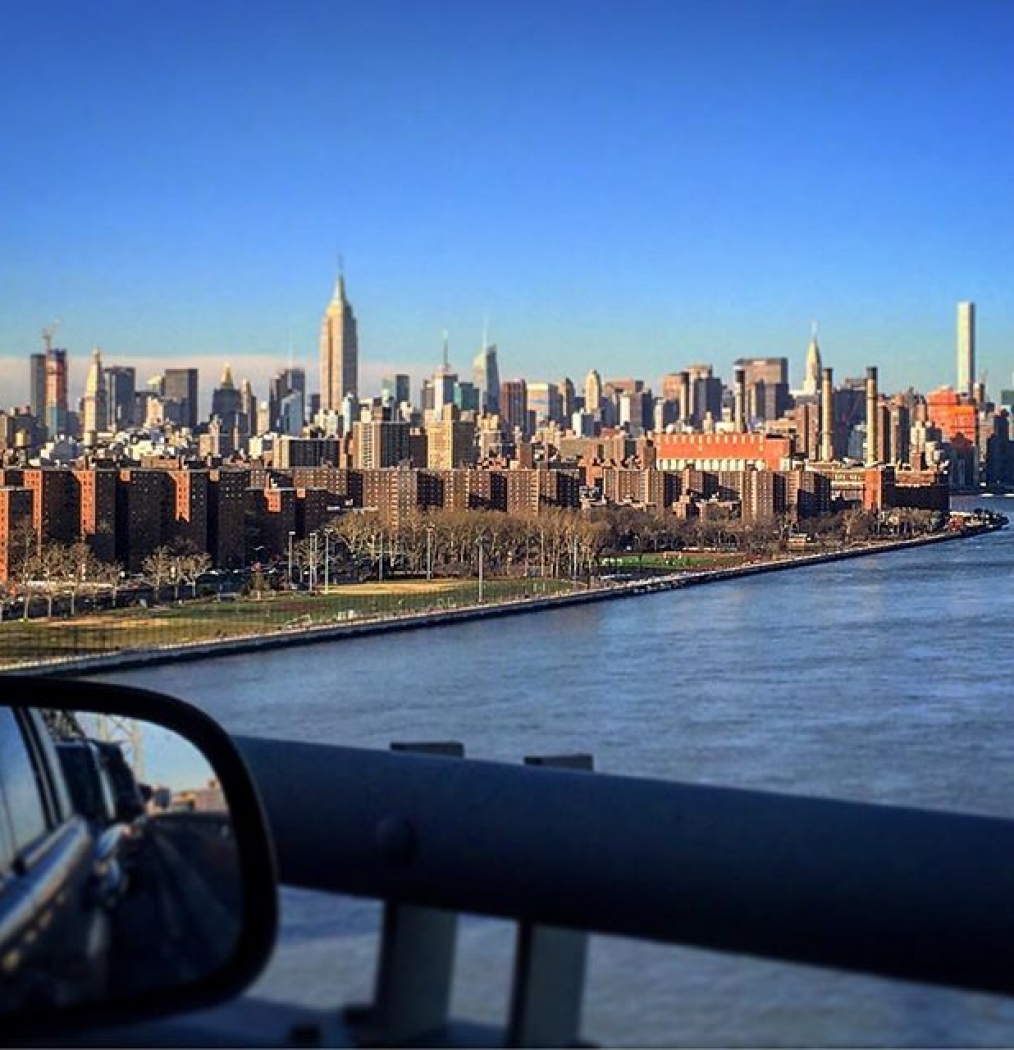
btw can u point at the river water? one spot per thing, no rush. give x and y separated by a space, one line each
884 679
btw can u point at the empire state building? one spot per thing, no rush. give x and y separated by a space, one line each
339 351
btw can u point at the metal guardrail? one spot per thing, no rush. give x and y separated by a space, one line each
906 893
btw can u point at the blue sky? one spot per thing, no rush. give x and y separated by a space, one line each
628 186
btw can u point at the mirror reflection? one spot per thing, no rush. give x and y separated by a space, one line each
119 871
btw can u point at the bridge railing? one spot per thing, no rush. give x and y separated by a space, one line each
906 893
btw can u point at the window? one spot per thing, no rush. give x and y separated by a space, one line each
22 790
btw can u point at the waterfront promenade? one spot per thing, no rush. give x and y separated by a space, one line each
440 611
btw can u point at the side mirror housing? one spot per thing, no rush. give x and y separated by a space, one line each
137 877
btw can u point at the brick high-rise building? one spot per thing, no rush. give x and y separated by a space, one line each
143 501
227 487
55 507
450 441
97 500
380 443
15 513
514 404
186 521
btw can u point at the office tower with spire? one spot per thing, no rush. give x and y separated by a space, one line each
966 347
339 351
812 374
225 401
94 410
444 382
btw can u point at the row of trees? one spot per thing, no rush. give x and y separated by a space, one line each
558 543
56 572
553 544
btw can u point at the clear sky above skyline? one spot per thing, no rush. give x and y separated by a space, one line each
625 186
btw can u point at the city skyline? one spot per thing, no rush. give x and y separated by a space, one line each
660 184
15 375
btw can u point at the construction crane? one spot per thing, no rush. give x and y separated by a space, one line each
48 334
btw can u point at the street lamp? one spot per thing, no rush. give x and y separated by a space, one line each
291 535
327 561
479 543
429 552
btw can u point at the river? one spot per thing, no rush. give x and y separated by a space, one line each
883 679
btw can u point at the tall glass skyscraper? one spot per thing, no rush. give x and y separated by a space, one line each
486 376
966 347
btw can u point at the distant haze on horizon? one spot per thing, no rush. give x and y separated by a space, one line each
630 188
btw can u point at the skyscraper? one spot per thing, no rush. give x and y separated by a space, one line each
37 386
225 401
287 381
486 375
811 377
56 392
339 351
592 392
94 414
121 386
396 388
179 392
966 347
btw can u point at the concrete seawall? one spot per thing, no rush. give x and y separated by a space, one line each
128 659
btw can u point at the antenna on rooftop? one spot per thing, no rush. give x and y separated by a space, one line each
447 363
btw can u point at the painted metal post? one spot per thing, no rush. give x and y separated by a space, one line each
412 994
549 965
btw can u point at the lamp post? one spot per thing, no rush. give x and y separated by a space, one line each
291 535
429 552
327 562
479 542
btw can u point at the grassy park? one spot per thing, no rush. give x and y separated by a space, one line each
26 642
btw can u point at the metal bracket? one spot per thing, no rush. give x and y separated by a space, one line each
549 966
412 995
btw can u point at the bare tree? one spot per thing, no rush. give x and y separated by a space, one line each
158 568
191 566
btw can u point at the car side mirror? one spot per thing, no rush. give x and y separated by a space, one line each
136 873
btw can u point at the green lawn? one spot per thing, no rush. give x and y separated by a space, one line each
23 643
673 561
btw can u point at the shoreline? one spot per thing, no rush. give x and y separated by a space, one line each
131 658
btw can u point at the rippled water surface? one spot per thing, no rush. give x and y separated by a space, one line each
884 679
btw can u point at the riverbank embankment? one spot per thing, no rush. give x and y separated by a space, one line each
604 591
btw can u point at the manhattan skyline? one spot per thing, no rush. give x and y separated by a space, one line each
626 189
